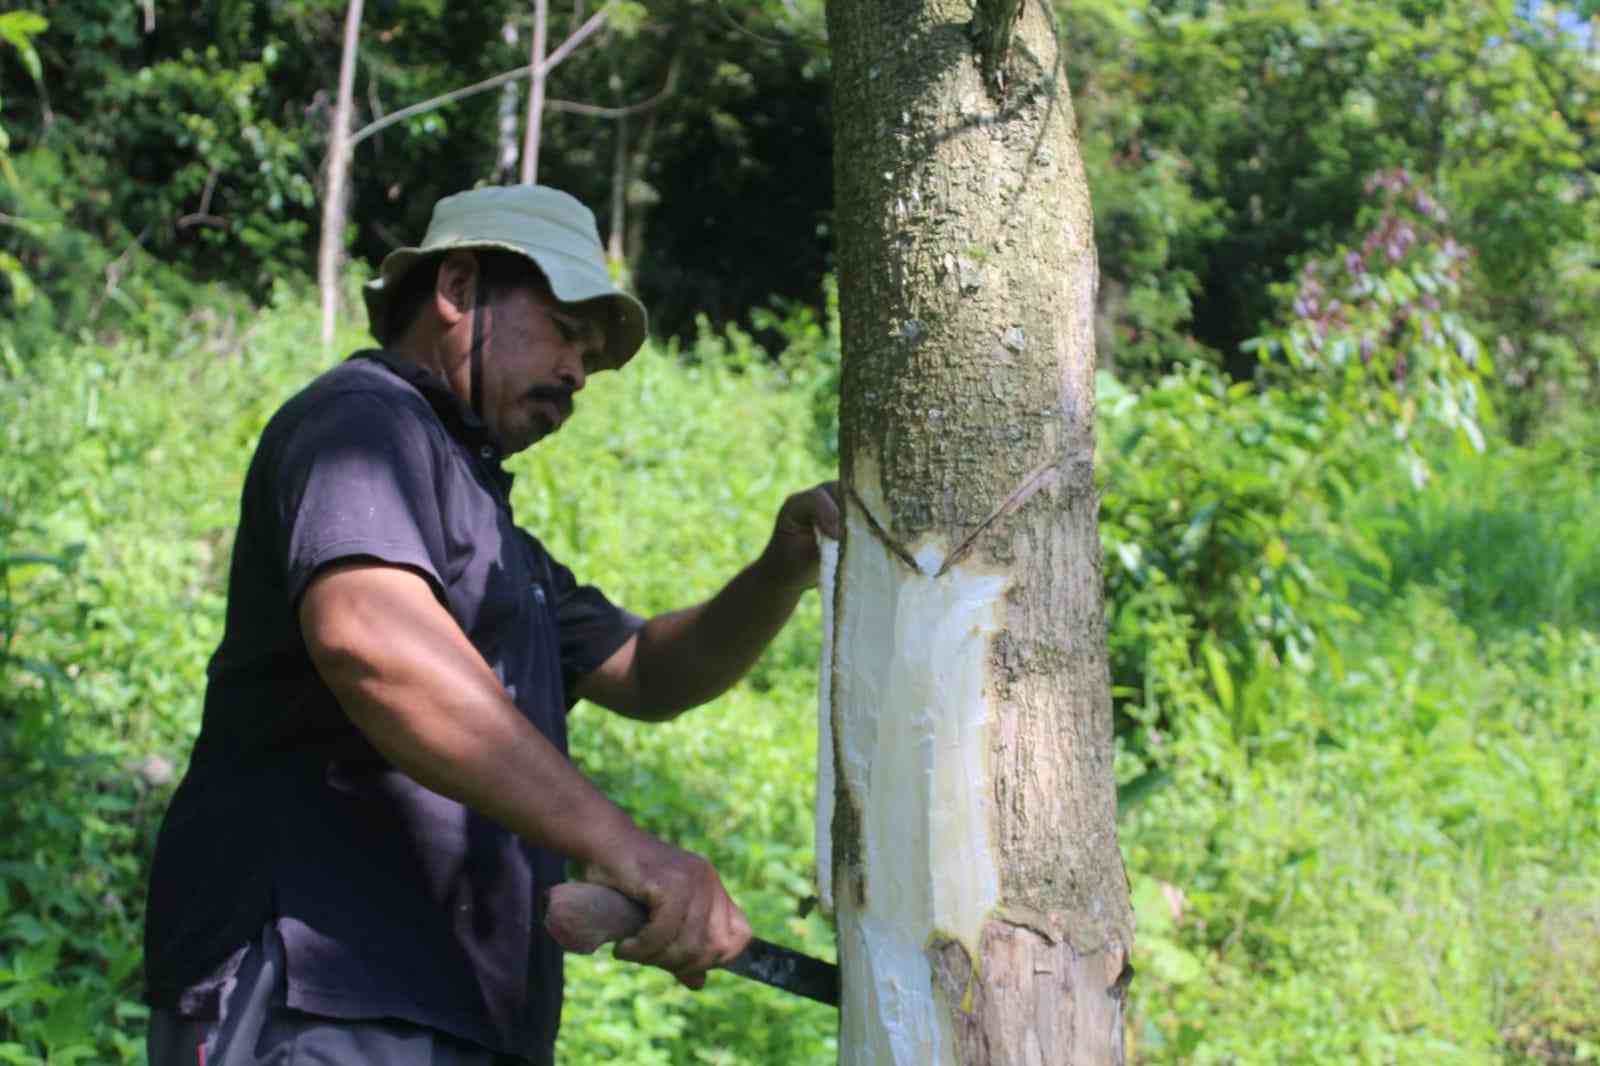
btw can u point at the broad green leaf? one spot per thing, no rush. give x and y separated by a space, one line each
1221 678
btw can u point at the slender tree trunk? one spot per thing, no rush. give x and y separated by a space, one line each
642 197
981 900
335 195
530 144
615 245
506 158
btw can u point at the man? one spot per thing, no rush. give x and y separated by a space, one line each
351 870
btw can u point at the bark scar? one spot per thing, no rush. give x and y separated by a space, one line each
895 547
1041 476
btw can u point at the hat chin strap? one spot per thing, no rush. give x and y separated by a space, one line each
476 352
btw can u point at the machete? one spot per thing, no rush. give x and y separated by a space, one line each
581 917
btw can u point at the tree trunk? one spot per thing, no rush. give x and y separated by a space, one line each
616 248
335 195
506 157
981 900
536 64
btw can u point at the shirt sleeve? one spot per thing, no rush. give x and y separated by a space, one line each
592 628
356 476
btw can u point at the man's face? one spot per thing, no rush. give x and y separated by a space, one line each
536 355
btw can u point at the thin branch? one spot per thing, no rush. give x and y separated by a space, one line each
727 16
388 234
495 82
199 219
572 107
374 102
581 34
114 272
204 217
205 194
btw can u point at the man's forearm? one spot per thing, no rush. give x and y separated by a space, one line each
684 658
414 685
687 657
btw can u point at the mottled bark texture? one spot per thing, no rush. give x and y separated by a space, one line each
967 277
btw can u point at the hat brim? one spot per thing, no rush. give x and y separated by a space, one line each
572 281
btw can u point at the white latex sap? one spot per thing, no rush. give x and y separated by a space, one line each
904 701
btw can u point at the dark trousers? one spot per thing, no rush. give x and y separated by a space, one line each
255 1028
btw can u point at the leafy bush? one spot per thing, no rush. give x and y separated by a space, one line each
1226 559
117 501
1380 325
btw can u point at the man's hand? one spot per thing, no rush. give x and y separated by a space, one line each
694 925
790 559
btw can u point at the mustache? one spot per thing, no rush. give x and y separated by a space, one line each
556 394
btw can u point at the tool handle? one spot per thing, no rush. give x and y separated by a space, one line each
582 916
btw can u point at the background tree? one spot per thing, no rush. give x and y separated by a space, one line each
981 902
335 191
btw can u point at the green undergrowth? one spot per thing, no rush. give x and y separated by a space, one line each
1357 720
1362 720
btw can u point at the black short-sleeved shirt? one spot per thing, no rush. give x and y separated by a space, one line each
392 900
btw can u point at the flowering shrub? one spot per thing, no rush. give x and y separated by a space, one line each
1382 322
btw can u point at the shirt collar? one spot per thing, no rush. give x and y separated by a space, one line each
457 417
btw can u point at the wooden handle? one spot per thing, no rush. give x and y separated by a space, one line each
582 916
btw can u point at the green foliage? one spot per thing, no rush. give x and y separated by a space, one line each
117 501
1358 719
17 29
810 353
1409 876
200 140
1226 560
1356 731
1508 538
1229 142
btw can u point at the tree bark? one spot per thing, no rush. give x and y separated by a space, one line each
508 153
536 63
335 195
981 900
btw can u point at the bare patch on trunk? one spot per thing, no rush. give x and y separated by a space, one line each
1033 1000
913 854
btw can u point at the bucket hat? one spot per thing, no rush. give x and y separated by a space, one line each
546 225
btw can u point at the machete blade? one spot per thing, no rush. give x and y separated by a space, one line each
789 970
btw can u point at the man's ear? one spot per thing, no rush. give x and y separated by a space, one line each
453 292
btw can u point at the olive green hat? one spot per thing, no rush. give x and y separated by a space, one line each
543 224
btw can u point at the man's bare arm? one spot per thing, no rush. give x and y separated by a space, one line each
683 658
412 682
